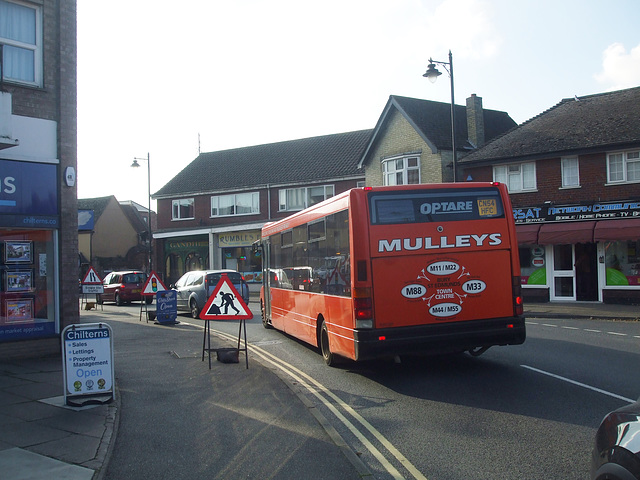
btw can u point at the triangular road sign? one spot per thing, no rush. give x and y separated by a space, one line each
225 303
153 285
92 277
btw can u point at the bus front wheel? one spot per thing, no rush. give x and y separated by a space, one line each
329 358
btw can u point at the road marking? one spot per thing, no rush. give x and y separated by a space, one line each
616 333
592 330
297 375
583 385
549 325
570 328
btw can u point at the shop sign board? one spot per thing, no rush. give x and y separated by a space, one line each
579 212
87 367
238 239
167 306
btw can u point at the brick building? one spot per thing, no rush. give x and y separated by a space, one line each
38 199
411 142
573 174
213 210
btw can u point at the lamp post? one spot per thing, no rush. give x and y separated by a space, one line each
432 74
135 164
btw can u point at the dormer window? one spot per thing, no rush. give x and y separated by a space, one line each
401 171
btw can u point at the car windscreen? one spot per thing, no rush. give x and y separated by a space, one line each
425 206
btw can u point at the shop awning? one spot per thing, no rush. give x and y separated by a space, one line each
528 233
566 233
613 230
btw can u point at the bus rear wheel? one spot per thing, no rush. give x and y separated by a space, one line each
265 322
327 355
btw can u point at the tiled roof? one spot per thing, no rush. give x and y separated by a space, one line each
434 120
97 204
294 161
594 122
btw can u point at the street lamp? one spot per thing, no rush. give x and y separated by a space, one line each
135 164
432 74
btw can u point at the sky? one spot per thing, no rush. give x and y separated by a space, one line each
165 81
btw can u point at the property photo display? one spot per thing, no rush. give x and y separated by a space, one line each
27 284
18 251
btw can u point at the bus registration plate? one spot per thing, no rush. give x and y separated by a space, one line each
487 207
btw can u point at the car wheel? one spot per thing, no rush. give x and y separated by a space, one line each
327 355
193 307
119 301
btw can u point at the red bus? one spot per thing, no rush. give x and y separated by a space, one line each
386 271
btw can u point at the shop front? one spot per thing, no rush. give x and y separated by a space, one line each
184 254
237 253
586 252
29 235
213 248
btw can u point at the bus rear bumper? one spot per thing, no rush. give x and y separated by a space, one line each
439 338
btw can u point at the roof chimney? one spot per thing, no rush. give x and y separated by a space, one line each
475 120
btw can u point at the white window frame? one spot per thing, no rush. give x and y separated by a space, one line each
234 201
34 48
396 170
512 175
570 171
304 198
178 205
620 174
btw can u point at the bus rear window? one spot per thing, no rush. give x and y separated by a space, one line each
435 206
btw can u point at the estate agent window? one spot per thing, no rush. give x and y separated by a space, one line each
21 42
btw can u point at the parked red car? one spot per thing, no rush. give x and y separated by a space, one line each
124 287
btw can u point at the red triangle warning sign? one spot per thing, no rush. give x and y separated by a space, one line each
153 285
92 278
225 303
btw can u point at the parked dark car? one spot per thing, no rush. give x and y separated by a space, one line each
194 288
616 455
124 287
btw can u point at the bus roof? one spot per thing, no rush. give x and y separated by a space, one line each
341 202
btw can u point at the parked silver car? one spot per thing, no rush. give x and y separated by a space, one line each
194 288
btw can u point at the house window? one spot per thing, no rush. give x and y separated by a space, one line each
300 198
623 167
401 171
21 42
182 209
235 204
519 177
570 172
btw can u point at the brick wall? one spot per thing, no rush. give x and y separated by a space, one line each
593 183
398 138
56 101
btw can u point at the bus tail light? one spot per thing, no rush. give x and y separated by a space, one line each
518 304
363 307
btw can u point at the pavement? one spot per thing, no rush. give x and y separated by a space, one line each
151 431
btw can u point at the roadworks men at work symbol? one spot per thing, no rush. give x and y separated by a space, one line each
225 303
